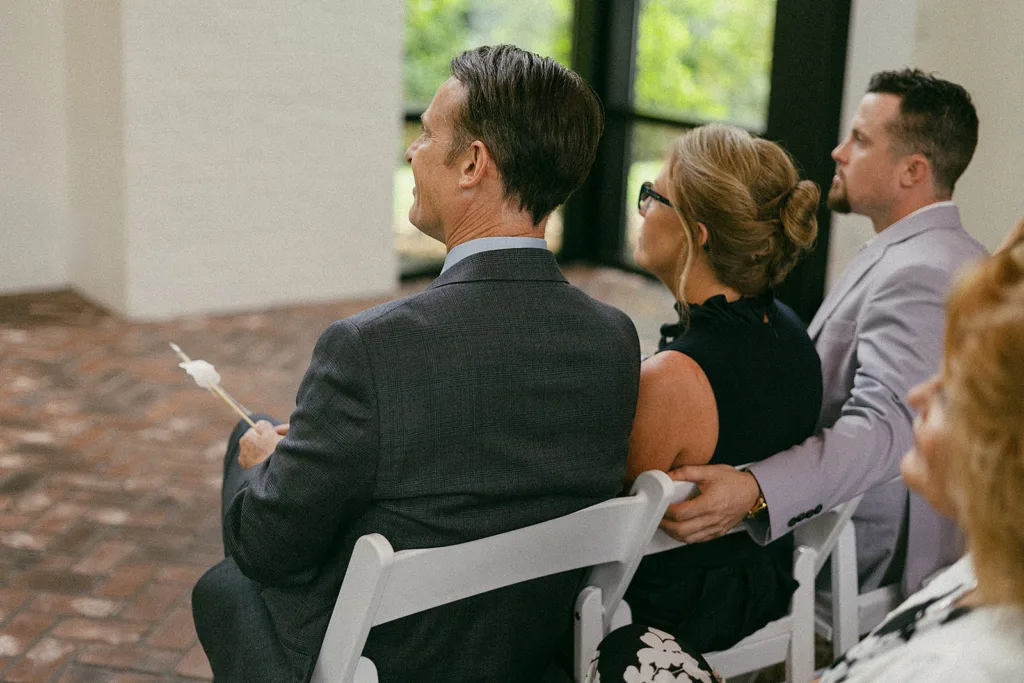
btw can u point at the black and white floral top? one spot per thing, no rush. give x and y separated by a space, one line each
930 638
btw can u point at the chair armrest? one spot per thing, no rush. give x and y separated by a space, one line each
366 672
822 532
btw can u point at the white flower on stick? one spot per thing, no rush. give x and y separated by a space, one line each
205 375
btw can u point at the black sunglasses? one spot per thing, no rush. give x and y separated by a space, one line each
647 193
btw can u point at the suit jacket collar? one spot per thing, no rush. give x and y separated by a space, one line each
943 217
928 218
503 264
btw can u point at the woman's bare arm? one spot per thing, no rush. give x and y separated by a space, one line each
676 419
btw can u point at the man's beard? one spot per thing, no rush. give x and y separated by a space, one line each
837 199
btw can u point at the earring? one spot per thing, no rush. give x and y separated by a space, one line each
707 247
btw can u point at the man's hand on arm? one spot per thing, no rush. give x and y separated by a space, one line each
726 496
259 442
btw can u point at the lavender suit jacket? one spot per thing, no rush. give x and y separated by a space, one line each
879 333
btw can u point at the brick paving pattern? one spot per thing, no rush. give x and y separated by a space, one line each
110 468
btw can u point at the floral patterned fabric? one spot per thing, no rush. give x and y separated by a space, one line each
642 654
933 637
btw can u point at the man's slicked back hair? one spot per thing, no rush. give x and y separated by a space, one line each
540 121
937 119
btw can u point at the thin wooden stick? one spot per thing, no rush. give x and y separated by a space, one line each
216 390
235 401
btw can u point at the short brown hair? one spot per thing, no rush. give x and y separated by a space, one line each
936 119
540 122
983 373
759 215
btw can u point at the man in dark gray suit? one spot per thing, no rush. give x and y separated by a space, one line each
879 333
499 397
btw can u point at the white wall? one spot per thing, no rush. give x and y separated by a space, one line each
214 156
33 171
260 141
979 45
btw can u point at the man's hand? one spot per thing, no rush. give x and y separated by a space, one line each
726 496
259 442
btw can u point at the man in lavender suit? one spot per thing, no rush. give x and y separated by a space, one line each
879 333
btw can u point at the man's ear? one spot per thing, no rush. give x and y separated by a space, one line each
473 165
916 170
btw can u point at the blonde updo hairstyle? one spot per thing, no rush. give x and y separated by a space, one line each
983 376
759 215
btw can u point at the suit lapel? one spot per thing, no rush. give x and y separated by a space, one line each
865 259
935 218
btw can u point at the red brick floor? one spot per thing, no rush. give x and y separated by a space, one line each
110 468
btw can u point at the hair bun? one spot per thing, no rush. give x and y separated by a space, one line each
797 217
746 190
798 214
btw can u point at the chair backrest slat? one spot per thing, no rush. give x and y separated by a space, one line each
424 578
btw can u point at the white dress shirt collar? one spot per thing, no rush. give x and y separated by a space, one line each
482 244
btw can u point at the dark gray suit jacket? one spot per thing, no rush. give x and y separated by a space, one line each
499 397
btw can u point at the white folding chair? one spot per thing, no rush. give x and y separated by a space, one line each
382 585
789 639
599 607
843 614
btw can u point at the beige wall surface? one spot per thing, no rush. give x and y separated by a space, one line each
33 165
981 46
96 232
188 157
881 37
191 157
260 141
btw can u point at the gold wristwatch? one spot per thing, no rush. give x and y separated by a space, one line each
760 505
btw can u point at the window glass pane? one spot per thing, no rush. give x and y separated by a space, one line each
705 60
649 149
416 251
437 30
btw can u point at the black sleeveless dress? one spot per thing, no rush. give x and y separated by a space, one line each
766 378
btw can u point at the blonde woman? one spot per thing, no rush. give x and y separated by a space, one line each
736 379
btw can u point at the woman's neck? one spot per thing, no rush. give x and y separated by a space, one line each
701 285
997 575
